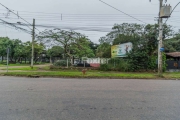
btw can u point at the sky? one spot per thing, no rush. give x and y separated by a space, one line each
92 18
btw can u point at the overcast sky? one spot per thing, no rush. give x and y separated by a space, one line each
90 17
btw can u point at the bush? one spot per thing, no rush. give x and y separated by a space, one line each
123 66
61 63
116 64
104 67
152 63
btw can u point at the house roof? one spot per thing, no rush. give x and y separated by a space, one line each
173 54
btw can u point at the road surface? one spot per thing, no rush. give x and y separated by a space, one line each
88 99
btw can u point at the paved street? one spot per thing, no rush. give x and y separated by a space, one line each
88 99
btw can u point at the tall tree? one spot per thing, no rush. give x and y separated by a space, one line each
4 43
72 42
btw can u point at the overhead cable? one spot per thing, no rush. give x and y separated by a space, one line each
17 15
121 11
12 25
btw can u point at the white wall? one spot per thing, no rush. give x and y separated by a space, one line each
97 60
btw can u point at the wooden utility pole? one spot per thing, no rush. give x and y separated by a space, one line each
160 61
33 37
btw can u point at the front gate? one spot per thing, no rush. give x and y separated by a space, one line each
173 65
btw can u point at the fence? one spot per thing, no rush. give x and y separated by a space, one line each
173 65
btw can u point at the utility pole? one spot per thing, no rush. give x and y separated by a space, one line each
160 40
164 12
33 37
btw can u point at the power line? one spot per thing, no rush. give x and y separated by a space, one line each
87 14
99 29
84 20
122 11
12 25
17 15
172 12
73 14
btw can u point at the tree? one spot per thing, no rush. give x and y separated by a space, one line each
73 43
172 44
55 51
38 49
144 39
125 32
104 50
81 48
93 46
4 42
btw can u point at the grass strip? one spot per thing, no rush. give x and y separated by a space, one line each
23 69
88 75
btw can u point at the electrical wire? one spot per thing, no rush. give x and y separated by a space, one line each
122 11
17 15
172 12
73 14
12 25
99 29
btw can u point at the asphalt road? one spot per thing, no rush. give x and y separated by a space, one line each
88 99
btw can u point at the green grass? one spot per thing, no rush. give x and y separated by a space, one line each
23 69
23 64
3 65
88 75
76 73
174 75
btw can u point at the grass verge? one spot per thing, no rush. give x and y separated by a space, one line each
70 73
88 75
22 69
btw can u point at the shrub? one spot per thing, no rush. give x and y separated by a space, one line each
61 63
123 66
104 67
116 64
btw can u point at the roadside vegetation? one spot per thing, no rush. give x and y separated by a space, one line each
74 72
140 62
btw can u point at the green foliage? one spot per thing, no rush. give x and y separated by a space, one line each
152 62
81 48
116 64
164 62
172 45
18 49
145 43
61 63
104 67
55 51
138 60
4 43
104 50
73 43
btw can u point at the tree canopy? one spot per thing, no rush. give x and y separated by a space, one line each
73 43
